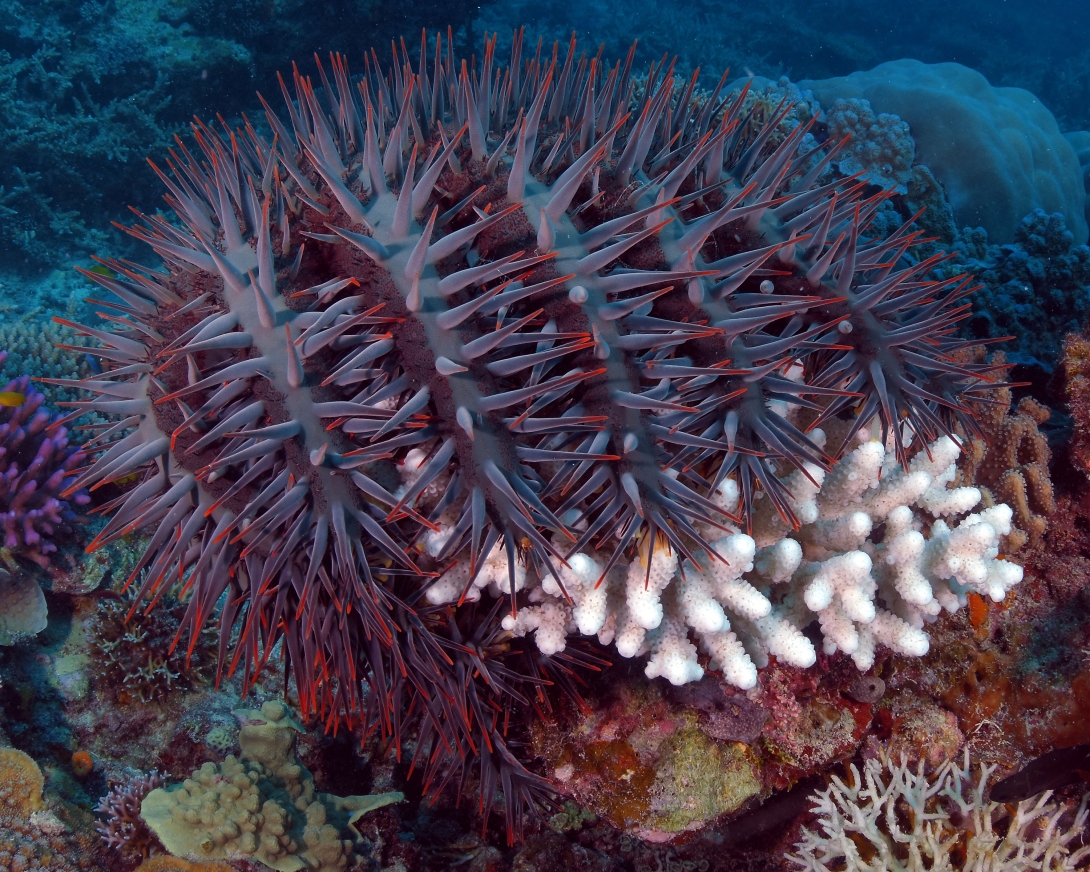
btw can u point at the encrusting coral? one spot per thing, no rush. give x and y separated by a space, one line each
175 864
32 837
261 807
568 321
863 589
894 819
21 782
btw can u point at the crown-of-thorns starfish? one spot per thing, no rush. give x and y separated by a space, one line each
572 308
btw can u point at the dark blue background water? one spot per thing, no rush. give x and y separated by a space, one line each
90 88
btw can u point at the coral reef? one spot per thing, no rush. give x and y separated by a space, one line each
1014 674
32 837
175 864
21 782
1040 49
563 323
881 148
774 581
649 767
37 468
1036 289
88 90
121 827
262 806
1076 385
1009 462
35 347
997 151
136 655
893 818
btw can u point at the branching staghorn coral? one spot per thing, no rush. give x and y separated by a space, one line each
568 320
891 819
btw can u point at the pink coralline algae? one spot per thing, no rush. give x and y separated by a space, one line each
36 465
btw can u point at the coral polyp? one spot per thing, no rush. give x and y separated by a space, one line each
492 317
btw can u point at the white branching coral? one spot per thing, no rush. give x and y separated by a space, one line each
893 819
880 552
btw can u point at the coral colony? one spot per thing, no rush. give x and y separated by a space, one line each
36 473
463 326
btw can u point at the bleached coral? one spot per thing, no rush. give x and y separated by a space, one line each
881 551
893 819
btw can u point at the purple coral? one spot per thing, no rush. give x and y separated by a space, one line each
122 827
35 467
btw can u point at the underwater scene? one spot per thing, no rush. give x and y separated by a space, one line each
524 437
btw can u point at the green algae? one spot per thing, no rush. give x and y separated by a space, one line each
699 779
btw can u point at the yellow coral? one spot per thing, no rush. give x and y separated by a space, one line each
21 782
1010 464
261 807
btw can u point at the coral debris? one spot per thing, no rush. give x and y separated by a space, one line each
567 320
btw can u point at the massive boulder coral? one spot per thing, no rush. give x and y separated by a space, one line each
567 320
998 151
1080 142
881 551
260 807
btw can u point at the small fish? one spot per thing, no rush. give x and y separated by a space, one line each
12 399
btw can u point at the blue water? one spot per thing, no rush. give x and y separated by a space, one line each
89 89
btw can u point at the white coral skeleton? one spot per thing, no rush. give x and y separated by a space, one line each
890 818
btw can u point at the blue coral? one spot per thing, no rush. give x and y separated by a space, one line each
1036 289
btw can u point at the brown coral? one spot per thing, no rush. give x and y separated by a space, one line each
1010 464
1076 371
